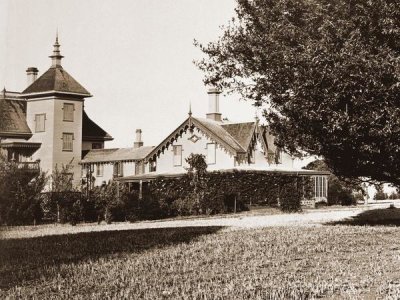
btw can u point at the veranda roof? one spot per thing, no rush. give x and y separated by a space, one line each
298 172
116 155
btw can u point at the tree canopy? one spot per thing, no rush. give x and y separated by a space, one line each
328 74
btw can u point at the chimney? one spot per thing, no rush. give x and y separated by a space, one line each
213 104
32 74
138 142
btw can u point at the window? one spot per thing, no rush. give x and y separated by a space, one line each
39 122
99 170
178 155
118 169
211 154
278 156
68 109
320 187
252 158
68 139
97 145
152 166
139 168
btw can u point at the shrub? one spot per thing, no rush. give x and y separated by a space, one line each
380 194
20 194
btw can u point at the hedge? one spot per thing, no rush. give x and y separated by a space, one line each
217 192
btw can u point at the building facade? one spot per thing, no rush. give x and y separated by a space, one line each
46 127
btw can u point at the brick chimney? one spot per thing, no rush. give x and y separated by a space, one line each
213 104
138 141
32 74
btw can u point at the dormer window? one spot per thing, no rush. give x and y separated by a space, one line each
68 112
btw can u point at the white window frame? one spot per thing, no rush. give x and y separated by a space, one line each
68 114
177 159
43 129
211 147
64 142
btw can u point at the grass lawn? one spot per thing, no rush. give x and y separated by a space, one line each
206 263
374 217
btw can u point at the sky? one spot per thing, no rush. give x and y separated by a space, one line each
135 57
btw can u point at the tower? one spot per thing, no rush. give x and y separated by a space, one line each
54 114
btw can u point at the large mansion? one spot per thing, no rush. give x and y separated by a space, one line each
45 126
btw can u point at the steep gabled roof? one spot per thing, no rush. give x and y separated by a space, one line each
235 138
116 154
241 132
93 132
218 133
268 139
57 80
13 117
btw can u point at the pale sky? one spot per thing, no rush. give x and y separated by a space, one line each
135 57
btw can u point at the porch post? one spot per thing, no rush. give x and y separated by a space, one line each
326 187
140 189
315 188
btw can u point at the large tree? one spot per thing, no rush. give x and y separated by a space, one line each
328 74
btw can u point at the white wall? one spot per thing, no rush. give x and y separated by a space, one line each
87 145
108 170
50 152
165 163
45 152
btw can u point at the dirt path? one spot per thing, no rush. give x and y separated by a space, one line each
232 222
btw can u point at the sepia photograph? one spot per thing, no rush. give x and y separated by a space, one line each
212 149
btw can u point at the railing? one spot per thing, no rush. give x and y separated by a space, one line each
28 166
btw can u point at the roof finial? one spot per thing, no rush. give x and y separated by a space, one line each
190 109
56 56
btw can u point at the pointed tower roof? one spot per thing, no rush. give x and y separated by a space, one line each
56 56
56 80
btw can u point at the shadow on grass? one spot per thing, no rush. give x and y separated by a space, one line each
373 217
28 259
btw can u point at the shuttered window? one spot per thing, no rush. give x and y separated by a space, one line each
178 155
68 140
118 169
39 122
99 170
68 109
